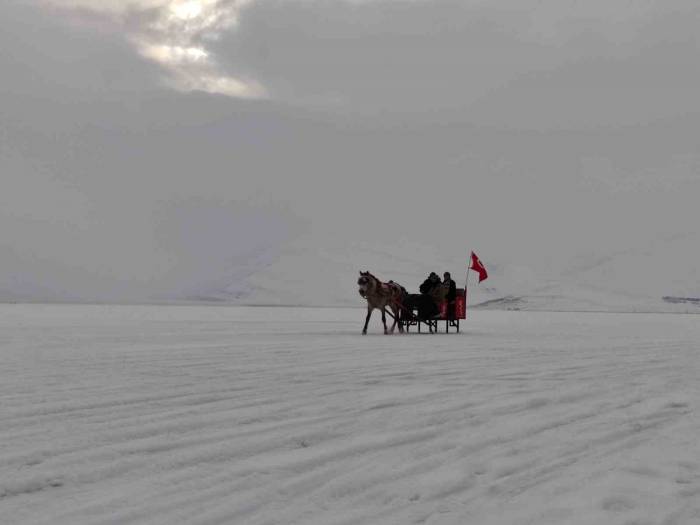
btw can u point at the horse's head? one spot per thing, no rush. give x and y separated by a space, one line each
365 282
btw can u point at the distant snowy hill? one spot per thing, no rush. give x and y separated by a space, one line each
316 270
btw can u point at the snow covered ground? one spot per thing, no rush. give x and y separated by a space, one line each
204 415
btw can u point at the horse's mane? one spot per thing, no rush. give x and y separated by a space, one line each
382 288
374 277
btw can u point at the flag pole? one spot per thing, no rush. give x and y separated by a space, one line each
466 283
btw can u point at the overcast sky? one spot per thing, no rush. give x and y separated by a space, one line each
147 146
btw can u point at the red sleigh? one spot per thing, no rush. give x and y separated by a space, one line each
460 312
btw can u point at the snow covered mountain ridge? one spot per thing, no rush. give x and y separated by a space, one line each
314 271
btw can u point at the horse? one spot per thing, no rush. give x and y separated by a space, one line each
382 295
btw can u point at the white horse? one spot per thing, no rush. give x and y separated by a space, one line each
382 296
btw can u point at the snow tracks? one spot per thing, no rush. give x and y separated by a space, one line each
207 415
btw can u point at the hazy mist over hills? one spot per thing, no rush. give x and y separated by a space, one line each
264 152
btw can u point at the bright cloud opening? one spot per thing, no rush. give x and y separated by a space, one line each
174 39
175 55
187 10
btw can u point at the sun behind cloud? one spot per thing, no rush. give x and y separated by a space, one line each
187 10
174 36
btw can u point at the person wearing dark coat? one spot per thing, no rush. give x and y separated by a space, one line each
451 295
428 309
448 283
431 282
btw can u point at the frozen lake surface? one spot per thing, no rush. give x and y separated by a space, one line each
206 415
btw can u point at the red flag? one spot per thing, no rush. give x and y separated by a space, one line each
478 267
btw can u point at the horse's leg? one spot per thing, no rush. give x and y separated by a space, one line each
369 312
386 331
396 319
394 315
396 310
